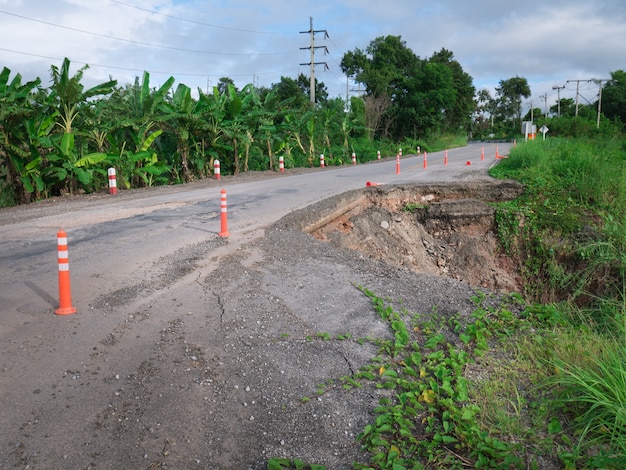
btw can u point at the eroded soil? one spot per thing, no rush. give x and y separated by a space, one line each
437 229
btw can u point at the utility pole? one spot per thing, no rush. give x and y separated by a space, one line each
558 98
577 88
545 105
312 48
599 82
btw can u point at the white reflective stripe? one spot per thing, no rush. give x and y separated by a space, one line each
64 266
224 209
63 254
62 241
112 183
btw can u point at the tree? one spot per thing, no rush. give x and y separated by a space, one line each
223 84
321 93
614 97
289 93
458 113
71 166
509 100
23 176
375 108
68 93
423 96
136 110
566 107
382 67
295 93
482 117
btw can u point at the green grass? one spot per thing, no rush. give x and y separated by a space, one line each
592 394
569 235
568 229
529 382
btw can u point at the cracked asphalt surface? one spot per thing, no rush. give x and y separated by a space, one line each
218 354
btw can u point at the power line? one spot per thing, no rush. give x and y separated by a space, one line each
130 69
197 22
132 41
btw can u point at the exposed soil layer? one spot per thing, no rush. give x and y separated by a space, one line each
435 229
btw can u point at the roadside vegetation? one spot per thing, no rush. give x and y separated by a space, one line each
531 380
61 139
535 379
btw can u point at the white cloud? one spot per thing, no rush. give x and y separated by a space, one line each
546 42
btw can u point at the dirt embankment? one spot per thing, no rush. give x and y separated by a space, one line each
444 229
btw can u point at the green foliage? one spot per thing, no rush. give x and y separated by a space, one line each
431 421
568 232
412 207
575 193
289 464
420 96
593 393
508 99
614 97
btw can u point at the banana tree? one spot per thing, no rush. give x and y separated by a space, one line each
68 95
233 126
16 156
141 109
214 111
184 117
71 163
310 128
268 132
140 166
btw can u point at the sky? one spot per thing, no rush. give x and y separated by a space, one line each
557 45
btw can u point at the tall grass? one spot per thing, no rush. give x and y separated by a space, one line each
594 395
570 223
569 233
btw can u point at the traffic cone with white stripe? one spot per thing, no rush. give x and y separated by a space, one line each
65 292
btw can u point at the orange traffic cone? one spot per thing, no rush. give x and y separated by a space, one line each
224 215
65 293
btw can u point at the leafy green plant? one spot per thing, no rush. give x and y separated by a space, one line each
431 419
289 464
413 207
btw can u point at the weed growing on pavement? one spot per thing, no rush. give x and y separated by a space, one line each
431 419
412 207
289 464
478 391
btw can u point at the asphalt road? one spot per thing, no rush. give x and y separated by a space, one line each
116 245
109 239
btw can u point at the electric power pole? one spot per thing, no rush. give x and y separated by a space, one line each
558 98
545 105
598 81
312 48
577 88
